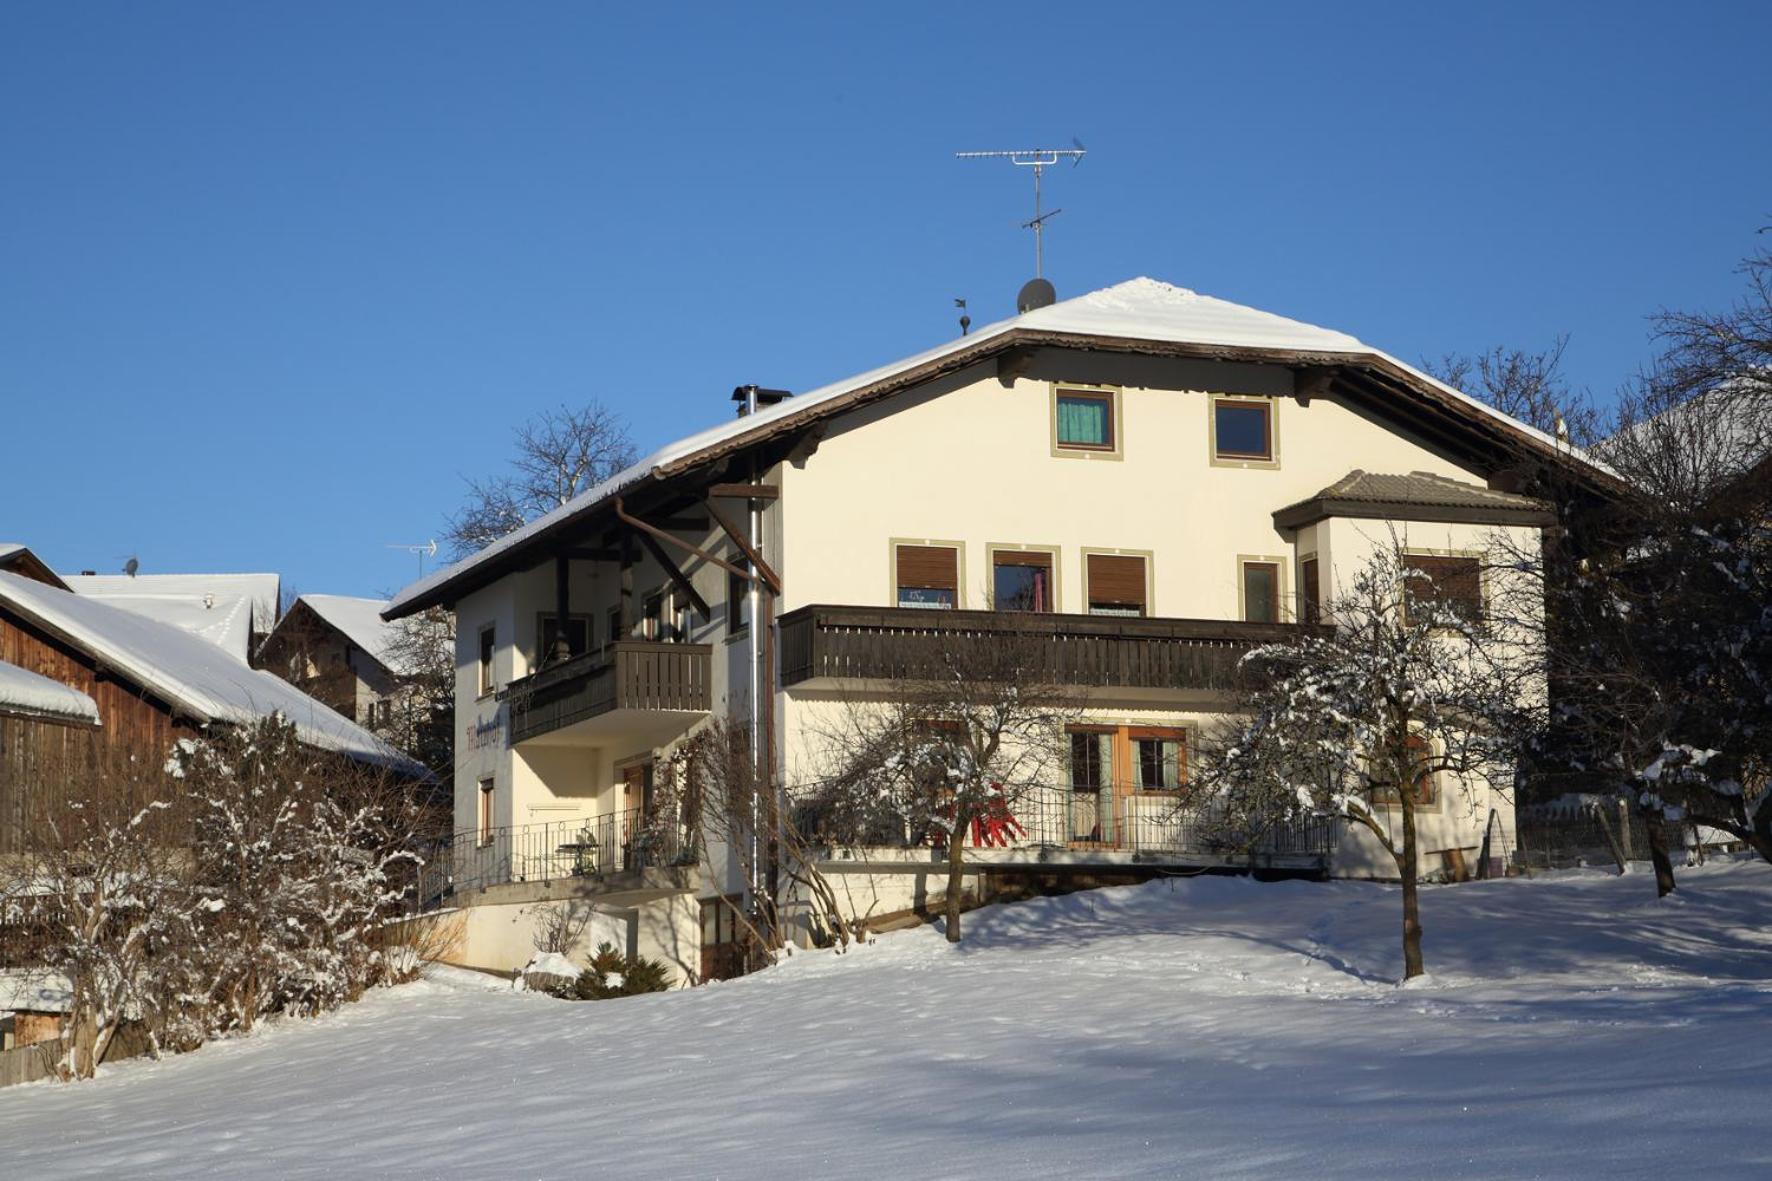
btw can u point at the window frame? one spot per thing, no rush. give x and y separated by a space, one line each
738 598
894 544
1244 561
1479 576
1176 734
486 660
1270 410
487 813
995 550
1110 395
1310 589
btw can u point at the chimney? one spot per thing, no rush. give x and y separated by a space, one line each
751 398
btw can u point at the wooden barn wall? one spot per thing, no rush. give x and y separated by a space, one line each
38 759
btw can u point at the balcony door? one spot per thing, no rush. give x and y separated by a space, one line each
636 810
1125 782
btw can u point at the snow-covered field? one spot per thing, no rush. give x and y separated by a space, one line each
1574 1027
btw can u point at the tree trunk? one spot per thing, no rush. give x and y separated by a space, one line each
956 874
1411 899
1664 865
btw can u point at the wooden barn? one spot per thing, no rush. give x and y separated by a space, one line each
94 695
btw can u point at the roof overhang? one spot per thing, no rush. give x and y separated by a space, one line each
1371 380
1309 512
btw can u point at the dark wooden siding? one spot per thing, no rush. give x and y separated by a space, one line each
126 752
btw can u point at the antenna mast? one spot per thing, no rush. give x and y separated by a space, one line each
427 550
1039 159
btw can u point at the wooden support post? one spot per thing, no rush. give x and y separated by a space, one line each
562 608
676 575
627 588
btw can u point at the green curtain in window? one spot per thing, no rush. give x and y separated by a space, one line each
1083 420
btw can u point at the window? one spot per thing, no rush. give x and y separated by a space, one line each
486 786
1310 605
1426 787
1092 784
614 633
1261 592
1021 580
652 616
1159 759
1454 583
547 629
927 576
683 628
722 948
1116 584
1084 420
487 645
1242 430
738 598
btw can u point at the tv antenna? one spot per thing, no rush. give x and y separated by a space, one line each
1039 159
427 550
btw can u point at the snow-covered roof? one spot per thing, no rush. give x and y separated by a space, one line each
30 990
1725 432
1141 309
225 609
361 622
196 677
34 695
18 556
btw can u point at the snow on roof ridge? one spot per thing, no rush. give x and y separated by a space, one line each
346 613
1130 309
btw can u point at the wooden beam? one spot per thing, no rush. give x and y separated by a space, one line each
585 553
677 577
746 491
1013 363
763 569
621 512
1312 382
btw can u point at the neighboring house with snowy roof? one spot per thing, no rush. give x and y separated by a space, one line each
1150 480
235 612
131 686
20 560
338 650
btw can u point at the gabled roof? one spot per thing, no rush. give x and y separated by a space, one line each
196 678
20 559
358 620
225 609
26 694
1418 496
1139 315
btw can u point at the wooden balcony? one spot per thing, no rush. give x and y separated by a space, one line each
633 677
894 643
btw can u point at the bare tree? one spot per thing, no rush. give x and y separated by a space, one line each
721 798
1665 634
420 719
559 453
972 726
1413 691
1528 386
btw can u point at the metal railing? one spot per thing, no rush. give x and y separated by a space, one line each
592 847
1147 825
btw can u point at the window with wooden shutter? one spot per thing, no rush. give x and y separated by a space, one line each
928 576
1116 584
1454 583
1021 580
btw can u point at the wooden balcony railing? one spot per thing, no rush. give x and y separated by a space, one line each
627 675
904 643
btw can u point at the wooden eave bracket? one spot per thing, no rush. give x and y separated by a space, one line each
651 535
1312 381
764 572
1013 363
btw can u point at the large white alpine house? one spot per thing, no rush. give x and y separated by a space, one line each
1165 477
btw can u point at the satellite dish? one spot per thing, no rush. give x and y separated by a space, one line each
1035 293
131 566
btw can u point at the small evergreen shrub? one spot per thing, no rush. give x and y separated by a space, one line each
612 974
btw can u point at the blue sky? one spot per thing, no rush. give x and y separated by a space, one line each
272 281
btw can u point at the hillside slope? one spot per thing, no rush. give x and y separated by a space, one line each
1574 1027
